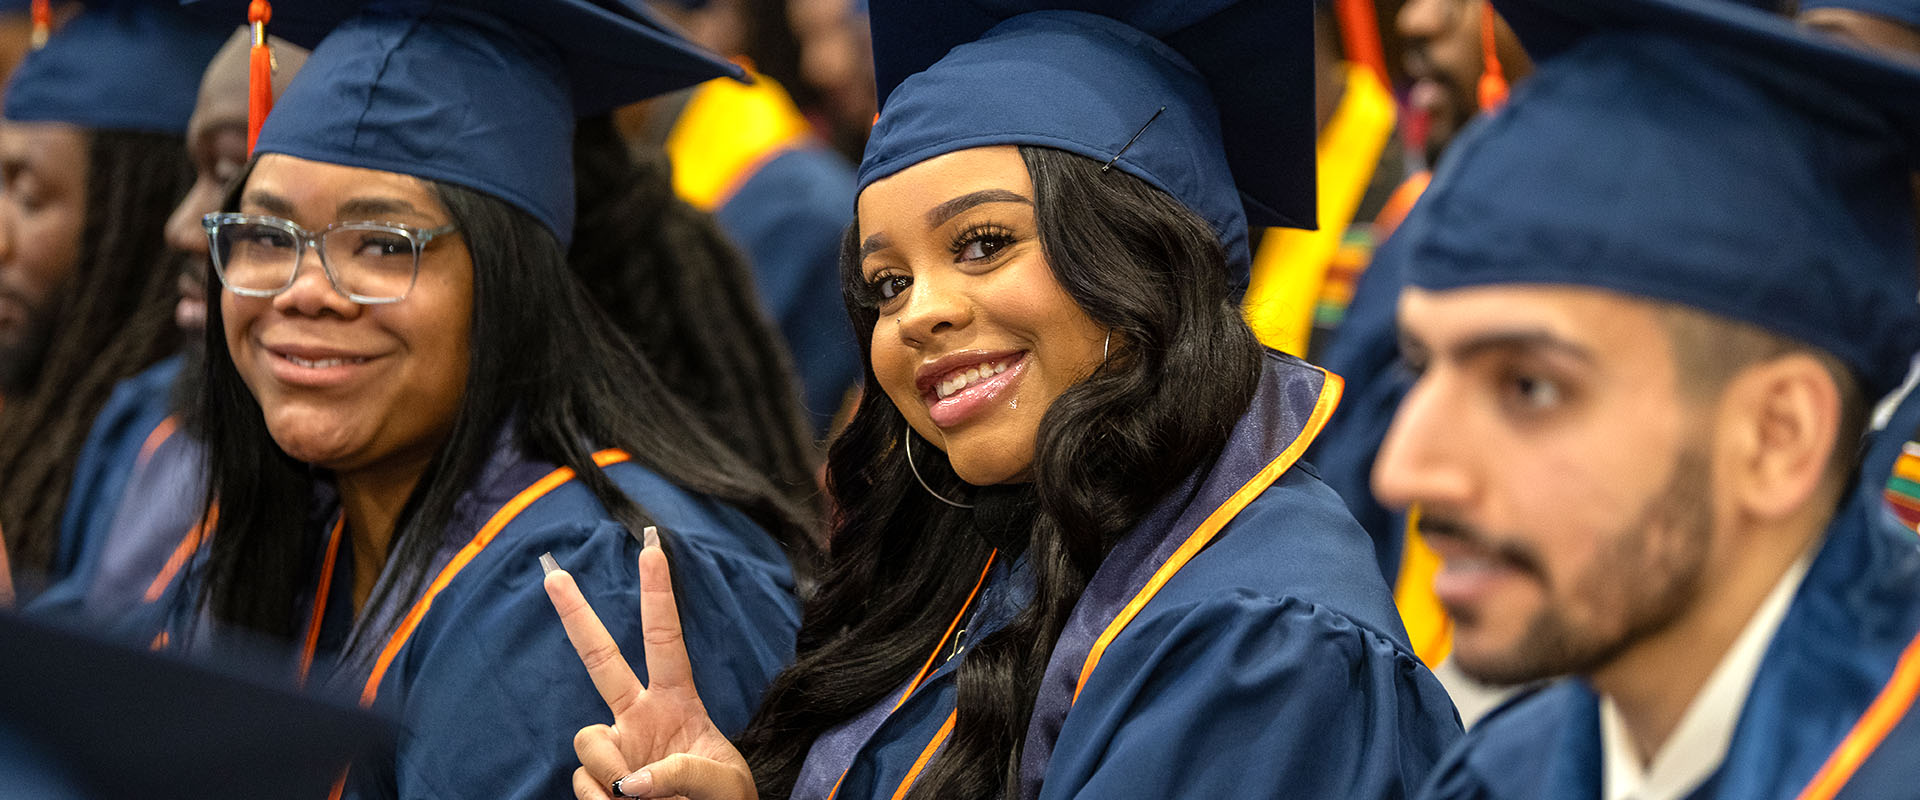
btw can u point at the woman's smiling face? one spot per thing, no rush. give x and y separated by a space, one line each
975 337
343 385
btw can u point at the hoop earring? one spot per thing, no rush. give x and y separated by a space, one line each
907 443
1104 345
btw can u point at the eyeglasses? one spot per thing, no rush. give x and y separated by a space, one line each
367 262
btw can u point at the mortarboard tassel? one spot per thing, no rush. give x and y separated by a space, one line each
1493 77
1360 36
259 71
42 22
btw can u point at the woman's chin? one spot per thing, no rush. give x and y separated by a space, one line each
318 445
992 471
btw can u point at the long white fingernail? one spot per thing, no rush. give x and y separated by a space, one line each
547 563
650 537
639 784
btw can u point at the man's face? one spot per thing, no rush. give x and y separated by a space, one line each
43 210
1444 59
217 145
1556 468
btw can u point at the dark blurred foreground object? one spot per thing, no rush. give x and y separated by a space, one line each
82 718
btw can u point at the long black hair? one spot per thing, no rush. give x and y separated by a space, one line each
1183 369
113 317
670 279
546 366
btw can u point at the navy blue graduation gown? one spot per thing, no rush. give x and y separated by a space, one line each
1272 664
136 508
789 216
1839 650
1367 354
134 419
487 691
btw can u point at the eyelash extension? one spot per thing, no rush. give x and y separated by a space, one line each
867 294
984 230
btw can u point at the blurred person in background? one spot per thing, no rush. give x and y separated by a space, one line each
92 160
747 154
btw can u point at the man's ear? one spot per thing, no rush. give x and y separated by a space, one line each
1778 423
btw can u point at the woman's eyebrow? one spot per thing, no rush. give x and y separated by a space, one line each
874 244
269 202
363 207
947 210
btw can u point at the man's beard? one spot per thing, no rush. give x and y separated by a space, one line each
21 358
1650 574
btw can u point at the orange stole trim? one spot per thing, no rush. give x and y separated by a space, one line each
319 614
492 528
158 436
925 669
1871 729
506 514
939 738
1322 409
182 553
1399 203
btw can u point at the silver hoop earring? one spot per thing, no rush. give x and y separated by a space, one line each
907 442
1104 345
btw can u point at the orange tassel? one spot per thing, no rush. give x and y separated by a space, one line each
1493 77
42 22
259 72
1360 36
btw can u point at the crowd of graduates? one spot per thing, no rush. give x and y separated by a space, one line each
816 399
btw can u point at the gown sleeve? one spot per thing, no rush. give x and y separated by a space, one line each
1249 696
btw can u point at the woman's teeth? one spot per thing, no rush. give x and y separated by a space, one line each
324 362
961 379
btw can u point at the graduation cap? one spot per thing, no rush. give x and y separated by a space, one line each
1695 152
480 93
1198 98
82 718
125 65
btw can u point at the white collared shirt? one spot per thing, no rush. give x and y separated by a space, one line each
1699 743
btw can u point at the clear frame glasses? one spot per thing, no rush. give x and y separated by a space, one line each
367 262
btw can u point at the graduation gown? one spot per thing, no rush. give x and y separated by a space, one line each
1239 643
477 670
123 448
747 155
1850 642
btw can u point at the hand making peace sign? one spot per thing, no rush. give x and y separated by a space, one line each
661 729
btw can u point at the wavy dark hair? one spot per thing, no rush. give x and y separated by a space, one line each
669 278
112 318
1183 371
547 367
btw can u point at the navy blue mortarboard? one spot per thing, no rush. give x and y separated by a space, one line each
1549 27
99 720
1235 142
127 65
480 93
1707 154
